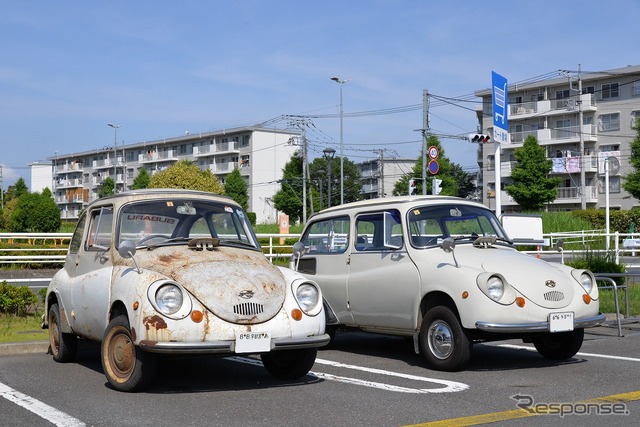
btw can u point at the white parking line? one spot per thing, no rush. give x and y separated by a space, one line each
449 386
603 356
43 410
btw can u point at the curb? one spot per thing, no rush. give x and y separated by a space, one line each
11 349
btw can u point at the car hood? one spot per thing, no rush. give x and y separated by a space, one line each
237 285
543 283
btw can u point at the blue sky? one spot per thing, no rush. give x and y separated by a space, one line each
160 68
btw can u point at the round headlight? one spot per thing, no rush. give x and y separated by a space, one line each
586 282
169 299
307 296
495 288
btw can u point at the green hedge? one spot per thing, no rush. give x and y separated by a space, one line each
17 300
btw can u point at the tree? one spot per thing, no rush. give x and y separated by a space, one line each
289 198
16 190
141 180
631 181
33 212
236 187
107 187
186 174
532 187
455 182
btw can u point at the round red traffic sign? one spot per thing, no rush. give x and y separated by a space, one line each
433 152
433 167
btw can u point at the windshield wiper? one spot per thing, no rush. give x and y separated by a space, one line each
171 240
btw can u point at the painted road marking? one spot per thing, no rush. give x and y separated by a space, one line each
43 410
448 386
603 356
515 414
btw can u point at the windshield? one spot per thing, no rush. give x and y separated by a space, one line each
175 221
429 225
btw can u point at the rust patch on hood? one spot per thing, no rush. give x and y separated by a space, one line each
155 322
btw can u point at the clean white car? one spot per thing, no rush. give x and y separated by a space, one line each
178 272
443 271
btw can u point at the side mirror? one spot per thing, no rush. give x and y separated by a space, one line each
448 245
298 250
127 249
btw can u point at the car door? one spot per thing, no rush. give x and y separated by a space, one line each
327 262
91 283
383 284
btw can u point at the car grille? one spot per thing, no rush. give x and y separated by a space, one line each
553 296
248 309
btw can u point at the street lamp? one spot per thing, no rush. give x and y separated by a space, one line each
115 156
341 82
328 155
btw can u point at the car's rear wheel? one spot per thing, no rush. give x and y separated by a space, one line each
125 365
63 346
560 345
289 364
443 341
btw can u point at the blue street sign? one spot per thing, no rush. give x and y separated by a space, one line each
433 167
500 106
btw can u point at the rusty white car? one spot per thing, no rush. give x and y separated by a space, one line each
178 272
443 271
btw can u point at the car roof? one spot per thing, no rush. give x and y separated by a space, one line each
400 202
159 193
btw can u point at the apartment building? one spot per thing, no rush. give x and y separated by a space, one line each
259 153
380 175
581 119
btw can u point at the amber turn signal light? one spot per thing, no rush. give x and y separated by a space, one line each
465 295
196 316
296 314
586 298
136 304
520 302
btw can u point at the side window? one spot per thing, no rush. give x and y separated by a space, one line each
424 228
100 221
327 236
76 239
378 231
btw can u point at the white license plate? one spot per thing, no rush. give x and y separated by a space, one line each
561 322
253 342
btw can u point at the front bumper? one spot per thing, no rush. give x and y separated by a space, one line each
583 322
228 347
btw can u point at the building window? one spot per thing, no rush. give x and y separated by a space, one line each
611 90
589 89
635 115
561 94
609 122
635 89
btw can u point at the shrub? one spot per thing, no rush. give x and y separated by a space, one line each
599 262
18 300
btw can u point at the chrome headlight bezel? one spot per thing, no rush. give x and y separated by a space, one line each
496 288
586 279
308 297
169 299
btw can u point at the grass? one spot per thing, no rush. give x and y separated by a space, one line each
21 328
608 305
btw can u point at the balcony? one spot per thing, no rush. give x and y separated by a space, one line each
568 195
158 156
552 107
568 134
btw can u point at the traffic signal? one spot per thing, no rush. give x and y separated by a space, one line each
478 137
436 186
412 187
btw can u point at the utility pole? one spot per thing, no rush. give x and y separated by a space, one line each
425 130
380 153
1 188
583 196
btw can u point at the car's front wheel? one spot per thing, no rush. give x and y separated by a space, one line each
125 365
560 345
63 346
443 341
289 364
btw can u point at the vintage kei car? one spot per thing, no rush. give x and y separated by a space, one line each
178 272
443 271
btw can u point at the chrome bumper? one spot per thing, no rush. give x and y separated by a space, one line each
583 322
228 347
